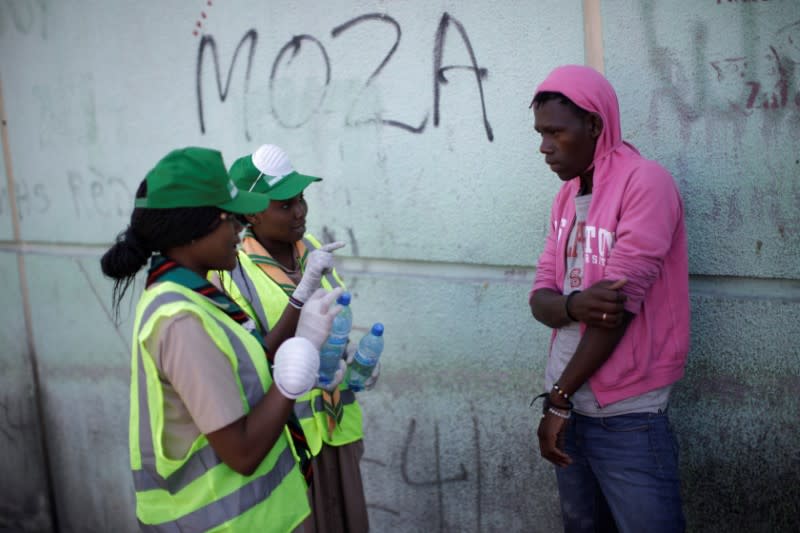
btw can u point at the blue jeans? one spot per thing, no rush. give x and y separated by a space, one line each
623 476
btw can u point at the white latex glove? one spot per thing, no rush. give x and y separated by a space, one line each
350 351
296 367
370 382
319 261
338 377
316 316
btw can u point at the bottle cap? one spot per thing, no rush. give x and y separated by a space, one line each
343 299
377 329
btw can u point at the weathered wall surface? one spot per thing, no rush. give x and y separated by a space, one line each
416 115
713 92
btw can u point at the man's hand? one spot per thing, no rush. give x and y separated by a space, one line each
551 439
601 305
319 261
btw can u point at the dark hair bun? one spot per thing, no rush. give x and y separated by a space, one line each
126 257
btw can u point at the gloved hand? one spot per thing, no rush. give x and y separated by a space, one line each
317 316
350 352
337 378
370 382
296 367
317 263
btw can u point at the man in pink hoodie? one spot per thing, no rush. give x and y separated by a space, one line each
613 284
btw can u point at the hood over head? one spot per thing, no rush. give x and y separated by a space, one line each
591 91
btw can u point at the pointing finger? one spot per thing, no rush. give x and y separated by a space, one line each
332 246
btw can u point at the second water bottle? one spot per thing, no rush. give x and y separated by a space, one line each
366 357
331 352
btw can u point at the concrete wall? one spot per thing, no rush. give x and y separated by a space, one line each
416 115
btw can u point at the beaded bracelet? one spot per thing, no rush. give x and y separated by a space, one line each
559 414
294 302
560 391
566 306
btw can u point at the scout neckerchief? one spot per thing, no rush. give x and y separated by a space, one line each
331 402
165 269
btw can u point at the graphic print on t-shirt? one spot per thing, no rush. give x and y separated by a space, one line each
575 279
576 244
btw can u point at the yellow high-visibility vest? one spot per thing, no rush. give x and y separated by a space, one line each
199 492
264 300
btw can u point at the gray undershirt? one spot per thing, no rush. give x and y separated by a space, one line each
568 337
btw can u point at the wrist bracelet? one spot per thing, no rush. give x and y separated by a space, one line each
559 414
547 403
566 306
294 302
560 391
550 403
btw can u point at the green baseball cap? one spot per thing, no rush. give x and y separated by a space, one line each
196 177
269 171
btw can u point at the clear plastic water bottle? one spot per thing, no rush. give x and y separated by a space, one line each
366 357
331 352
343 322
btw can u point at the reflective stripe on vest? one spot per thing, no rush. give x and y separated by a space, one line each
232 505
303 408
240 280
252 492
346 396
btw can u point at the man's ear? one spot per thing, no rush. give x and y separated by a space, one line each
253 219
595 125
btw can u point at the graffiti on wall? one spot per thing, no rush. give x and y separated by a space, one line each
437 479
719 100
764 81
447 30
97 195
24 16
32 199
201 19
740 1
449 475
772 87
93 195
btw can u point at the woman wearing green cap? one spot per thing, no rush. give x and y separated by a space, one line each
214 443
274 260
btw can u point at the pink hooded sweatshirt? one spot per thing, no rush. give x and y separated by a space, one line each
634 230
